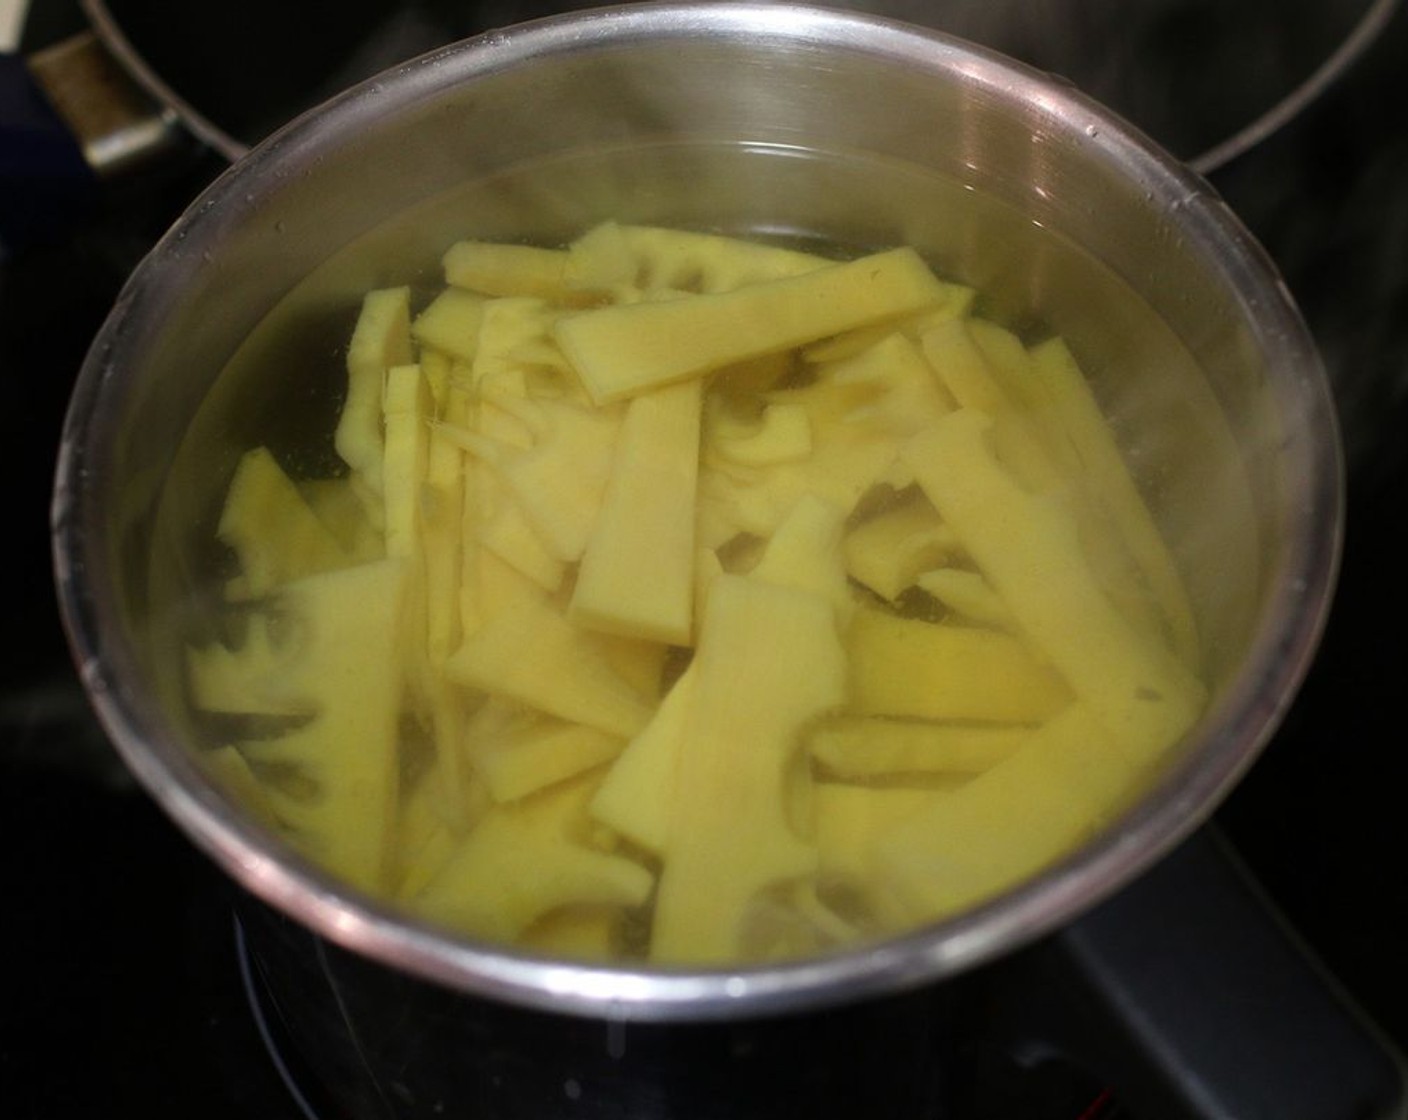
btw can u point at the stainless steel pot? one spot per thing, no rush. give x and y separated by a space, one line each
707 115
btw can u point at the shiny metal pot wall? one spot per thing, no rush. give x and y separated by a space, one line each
710 115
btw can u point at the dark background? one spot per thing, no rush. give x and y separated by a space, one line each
121 993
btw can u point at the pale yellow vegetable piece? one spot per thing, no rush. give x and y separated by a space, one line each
968 594
858 749
1010 822
1072 406
887 552
232 773
1008 363
408 408
500 588
272 530
729 838
962 366
439 369
612 256
522 861
424 841
559 481
805 553
956 304
1028 549
637 574
849 822
601 260
443 546
532 654
905 667
1036 449
507 270
336 505
451 323
380 340
348 624
635 796
783 436
622 351
907 395
241 681
579 932
499 524
526 752
849 456
954 352
442 541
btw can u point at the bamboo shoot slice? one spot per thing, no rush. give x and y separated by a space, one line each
729 837
637 574
622 351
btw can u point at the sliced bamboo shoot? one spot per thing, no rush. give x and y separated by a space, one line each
623 351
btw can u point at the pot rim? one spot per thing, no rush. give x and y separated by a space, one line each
1248 711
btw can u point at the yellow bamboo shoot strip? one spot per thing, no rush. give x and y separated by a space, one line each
424 841
1072 406
957 304
970 844
849 822
907 394
380 340
408 410
442 525
507 270
349 623
610 257
622 351
522 861
519 752
962 367
335 502
578 932
904 667
242 680
861 749
953 350
635 796
451 322
1057 465
408 407
783 436
750 708
530 653
559 481
1027 547
272 530
637 574
805 553
889 551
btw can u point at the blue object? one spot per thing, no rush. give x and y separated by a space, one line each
45 183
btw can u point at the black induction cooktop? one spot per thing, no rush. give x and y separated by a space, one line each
125 992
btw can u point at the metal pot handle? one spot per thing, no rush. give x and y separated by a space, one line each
1193 999
70 116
